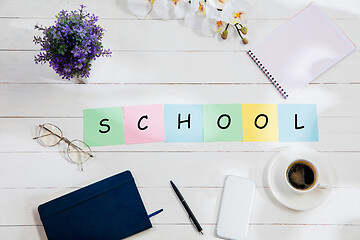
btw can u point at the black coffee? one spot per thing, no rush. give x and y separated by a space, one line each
301 175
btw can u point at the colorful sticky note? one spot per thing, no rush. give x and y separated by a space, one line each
298 123
144 124
183 123
260 122
103 126
222 122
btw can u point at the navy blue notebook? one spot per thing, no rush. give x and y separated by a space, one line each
109 209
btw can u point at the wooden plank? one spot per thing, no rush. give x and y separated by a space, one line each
336 134
138 35
156 169
169 63
64 100
343 203
266 9
292 232
181 67
186 231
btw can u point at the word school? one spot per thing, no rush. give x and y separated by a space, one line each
200 123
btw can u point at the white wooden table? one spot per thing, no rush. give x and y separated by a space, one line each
157 61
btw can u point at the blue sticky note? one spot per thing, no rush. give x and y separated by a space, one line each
183 123
297 123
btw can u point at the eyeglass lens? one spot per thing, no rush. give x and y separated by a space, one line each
49 135
78 152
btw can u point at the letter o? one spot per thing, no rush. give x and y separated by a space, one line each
266 121
219 119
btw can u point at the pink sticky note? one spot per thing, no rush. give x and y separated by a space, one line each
144 124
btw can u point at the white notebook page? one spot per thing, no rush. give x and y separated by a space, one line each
302 49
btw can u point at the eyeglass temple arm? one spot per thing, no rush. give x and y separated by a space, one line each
34 138
62 138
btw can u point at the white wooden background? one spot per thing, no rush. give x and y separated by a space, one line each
157 61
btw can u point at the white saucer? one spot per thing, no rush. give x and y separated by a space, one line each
282 191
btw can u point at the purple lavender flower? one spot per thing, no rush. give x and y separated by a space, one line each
71 43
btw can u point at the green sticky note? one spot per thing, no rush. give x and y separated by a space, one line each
222 122
104 126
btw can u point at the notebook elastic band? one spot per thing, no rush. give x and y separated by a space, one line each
155 213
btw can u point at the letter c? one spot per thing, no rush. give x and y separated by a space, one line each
138 125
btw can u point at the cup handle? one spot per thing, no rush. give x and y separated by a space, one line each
322 186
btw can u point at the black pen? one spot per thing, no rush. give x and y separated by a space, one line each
187 208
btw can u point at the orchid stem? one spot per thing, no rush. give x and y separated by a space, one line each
238 31
239 24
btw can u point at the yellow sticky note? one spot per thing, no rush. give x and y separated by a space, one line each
260 123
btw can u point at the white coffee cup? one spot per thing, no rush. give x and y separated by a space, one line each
303 176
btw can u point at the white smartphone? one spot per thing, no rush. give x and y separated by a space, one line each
235 208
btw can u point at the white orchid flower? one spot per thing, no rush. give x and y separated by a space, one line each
196 18
218 4
208 17
234 11
140 8
219 26
202 17
198 7
170 9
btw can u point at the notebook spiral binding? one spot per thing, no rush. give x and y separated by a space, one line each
268 74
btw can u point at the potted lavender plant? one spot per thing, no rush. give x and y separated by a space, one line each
71 44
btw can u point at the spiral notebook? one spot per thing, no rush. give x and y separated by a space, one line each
300 50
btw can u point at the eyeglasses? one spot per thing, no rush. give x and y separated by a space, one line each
77 151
